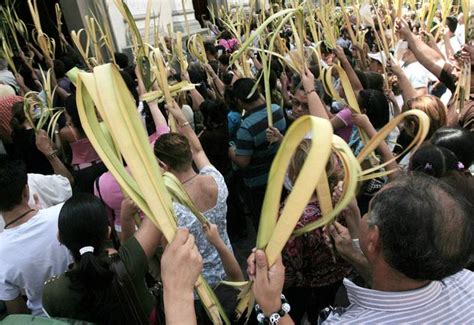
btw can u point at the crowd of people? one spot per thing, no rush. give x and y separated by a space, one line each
73 246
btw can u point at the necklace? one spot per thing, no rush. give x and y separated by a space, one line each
189 179
21 216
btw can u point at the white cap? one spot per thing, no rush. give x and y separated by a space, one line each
379 56
6 91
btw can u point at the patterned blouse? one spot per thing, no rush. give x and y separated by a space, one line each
213 269
308 260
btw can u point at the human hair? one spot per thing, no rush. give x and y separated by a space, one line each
243 90
18 116
230 100
3 64
225 35
277 67
214 113
224 59
299 158
425 228
374 80
362 78
13 179
460 141
121 59
68 62
131 85
210 48
174 150
71 109
198 76
227 79
59 68
376 106
272 79
452 23
433 107
314 68
325 49
434 161
83 222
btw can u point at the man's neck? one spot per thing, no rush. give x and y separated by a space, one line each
384 278
251 107
9 216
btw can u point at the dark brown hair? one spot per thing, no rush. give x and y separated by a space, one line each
174 150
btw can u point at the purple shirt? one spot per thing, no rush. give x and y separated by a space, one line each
345 115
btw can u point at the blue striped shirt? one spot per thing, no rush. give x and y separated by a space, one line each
450 301
252 141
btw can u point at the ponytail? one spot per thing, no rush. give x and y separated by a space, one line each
91 272
18 117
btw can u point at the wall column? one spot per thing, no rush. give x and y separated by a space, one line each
178 14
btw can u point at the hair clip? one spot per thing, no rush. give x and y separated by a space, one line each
460 166
428 167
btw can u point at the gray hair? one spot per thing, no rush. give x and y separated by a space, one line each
3 64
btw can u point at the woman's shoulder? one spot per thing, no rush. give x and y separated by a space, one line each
56 285
214 182
58 295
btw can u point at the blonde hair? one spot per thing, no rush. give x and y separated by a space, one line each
333 171
433 107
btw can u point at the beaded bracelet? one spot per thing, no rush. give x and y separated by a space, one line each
274 318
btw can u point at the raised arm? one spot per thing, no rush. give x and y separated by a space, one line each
408 92
199 156
44 144
431 42
196 97
148 235
449 51
345 247
219 85
315 105
354 80
231 266
429 58
180 267
363 122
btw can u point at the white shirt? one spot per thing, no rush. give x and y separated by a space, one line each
51 190
29 255
417 74
460 34
449 301
7 77
454 44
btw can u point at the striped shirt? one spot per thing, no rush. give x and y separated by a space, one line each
450 301
252 141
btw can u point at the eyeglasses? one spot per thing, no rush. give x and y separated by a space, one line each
296 103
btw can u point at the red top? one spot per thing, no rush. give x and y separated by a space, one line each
6 104
308 260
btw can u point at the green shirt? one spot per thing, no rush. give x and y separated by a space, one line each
60 300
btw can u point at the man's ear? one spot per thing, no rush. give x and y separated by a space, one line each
26 193
374 245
